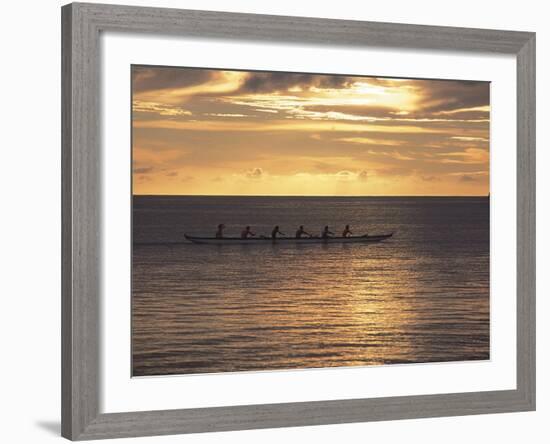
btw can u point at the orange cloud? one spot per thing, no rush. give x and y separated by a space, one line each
203 131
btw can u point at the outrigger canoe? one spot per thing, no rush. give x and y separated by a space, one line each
365 239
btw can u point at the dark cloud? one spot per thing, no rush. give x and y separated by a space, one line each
153 78
172 174
255 173
142 178
380 81
468 178
265 82
436 96
344 175
143 170
467 115
448 95
363 175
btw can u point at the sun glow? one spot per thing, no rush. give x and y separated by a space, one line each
200 131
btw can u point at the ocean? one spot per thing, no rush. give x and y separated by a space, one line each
420 296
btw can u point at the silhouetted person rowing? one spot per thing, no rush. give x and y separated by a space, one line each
275 232
246 233
347 232
326 233
219 232
300 232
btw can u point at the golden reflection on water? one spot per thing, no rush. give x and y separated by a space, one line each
422 296
357 311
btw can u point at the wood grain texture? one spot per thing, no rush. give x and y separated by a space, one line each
259 27
81 234
526 221
119 425
66 224
80 220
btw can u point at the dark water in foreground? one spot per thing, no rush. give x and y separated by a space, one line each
422 296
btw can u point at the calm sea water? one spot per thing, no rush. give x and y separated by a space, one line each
422 296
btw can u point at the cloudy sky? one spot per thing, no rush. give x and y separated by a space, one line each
199 131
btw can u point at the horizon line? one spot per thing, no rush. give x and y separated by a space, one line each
314 195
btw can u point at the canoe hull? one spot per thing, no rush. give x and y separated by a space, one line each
288 240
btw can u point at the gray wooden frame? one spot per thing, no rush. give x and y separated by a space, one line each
81 167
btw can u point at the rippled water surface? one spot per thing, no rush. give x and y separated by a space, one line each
422 296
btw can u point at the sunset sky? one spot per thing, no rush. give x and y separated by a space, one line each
213 132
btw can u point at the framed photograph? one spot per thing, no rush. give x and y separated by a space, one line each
279 221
